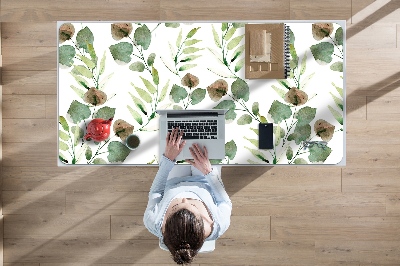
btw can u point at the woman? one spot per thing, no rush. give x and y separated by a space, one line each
187 204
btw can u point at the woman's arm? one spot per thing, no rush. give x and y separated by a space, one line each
156 194
222 199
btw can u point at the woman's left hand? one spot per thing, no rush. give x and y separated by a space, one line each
174 144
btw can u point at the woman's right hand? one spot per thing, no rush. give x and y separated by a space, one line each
200 159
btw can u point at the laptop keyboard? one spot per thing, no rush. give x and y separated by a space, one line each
196 129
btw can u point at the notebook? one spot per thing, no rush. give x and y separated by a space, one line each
267 51
204 127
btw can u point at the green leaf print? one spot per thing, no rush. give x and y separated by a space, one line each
230 106
62 135
279 134
142 36
88 62
239 65
117 152
300 161
135 115
255 108
301 133
139 103
319 153
178 93
240 89
338 116
99 161
164 91
216 37
84 37
82 70
179 39
187 67
151 58
78 111
154 74
191 42
191 50
197 96
172 25
337 66
150 87
289 153
144 94
88 153
77 133
305 115
229 34
137 66
63 122
338 101
234 42
66 54
279 111
230 149
105 113
322 52
244 119
258 154
121 51
102 64
192 33
62 145
339 36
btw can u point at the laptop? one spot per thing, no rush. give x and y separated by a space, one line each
205 127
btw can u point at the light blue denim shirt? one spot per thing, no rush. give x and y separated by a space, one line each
209 188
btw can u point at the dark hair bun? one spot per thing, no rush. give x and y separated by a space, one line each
183 255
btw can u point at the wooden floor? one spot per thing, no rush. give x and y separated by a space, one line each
281 215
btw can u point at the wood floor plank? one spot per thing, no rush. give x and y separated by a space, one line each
15 130
23 11
356 108
79 179
372 81
368 155
363 252
358 6
387 108
147 251
224 10
24 106
29 82
107 203
128 227
335 228
384 36
374 12
309 204
40 62
393 204
324 9
289 180
51 107
21 264
33 202
30 154
375 132
249 227
53 226
28 34
378 180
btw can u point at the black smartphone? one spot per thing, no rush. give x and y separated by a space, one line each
265 136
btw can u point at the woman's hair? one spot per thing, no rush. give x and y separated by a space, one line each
184 235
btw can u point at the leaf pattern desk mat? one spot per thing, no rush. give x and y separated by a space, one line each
128 70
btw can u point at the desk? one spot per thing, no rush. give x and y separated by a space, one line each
136 68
